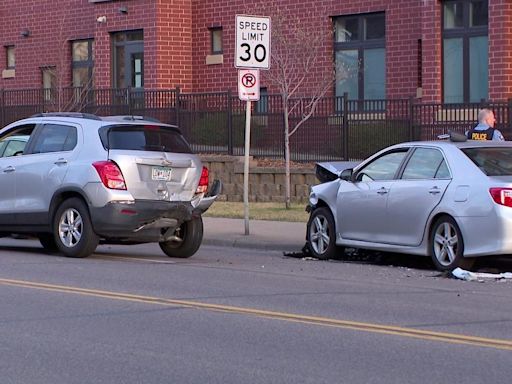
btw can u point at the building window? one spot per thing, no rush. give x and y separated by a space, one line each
49 77
361 56
10 53
262 103
82 63
128 58
216 40
465 51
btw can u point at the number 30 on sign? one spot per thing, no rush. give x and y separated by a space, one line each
252 42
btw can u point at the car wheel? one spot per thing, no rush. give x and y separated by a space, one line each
47 240
447 245
321 234
186 241
73 230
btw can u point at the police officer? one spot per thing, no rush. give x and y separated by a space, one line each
485 129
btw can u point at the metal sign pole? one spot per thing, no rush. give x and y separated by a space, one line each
252 52
246 164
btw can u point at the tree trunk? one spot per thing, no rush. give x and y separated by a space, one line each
287 153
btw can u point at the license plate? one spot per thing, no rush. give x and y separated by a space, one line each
161 173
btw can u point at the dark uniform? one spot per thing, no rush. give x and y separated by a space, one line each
486 134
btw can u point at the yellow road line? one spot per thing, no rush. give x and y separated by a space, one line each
322 321
99 256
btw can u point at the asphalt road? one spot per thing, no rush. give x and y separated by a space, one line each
231 315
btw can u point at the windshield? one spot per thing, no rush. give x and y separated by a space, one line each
144 138
491 161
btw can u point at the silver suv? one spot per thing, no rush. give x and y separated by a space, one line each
83 179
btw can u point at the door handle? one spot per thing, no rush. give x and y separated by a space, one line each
382 191
9 169
61 161
434 191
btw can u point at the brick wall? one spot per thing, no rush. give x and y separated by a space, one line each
46 45
177 40
500 49
174 44
53 24
141 15
430 22
402 34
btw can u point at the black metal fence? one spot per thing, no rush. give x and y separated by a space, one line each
340 129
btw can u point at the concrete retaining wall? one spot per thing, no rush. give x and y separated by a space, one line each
266 184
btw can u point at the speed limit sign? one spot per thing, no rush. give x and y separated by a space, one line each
252 42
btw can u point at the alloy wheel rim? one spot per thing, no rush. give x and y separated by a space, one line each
445 244
319 234
70 227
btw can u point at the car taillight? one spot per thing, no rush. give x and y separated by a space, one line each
502 196
203 181
110 174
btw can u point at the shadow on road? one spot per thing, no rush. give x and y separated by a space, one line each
488 264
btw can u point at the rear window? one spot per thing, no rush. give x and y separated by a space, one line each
491 161
144 138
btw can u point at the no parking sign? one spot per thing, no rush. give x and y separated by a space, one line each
249 84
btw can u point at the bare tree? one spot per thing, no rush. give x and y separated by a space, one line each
298 50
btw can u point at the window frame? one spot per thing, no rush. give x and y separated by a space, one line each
125 43
411 159
9 146
80 64
402 150
360 45
213 31
49 92
39 135
466 32
8 49
261 106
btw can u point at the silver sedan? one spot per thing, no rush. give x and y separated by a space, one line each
450 200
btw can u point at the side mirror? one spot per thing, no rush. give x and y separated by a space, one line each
346 174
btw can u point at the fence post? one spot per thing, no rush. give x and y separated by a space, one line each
344 127
177 105
411 118
2 108
509 114
129 99
230 124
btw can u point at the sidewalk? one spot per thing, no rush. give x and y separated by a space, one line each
267 235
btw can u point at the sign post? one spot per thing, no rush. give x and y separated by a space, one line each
252 52
248 90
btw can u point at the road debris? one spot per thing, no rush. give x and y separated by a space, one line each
481 277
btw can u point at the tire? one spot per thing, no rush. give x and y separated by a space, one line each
447 245
73 230
188 238
47 240
321 234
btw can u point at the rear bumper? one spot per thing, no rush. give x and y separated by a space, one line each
143 220
147 220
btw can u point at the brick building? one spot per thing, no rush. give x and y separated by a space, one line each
439 51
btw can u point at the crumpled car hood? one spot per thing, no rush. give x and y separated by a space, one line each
329 171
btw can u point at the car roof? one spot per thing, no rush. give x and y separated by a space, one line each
459 144
102 120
